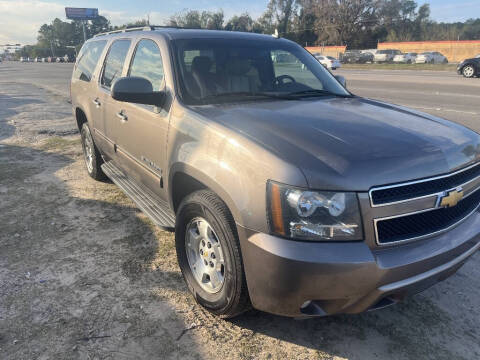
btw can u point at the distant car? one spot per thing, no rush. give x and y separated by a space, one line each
431 57
469 67
356 57
59 60
328 61
385 55
406 58
23 59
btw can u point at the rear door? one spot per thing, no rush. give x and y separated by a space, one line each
84 87
113 68
142 137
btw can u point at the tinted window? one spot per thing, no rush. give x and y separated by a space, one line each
147 63
114 62
88 59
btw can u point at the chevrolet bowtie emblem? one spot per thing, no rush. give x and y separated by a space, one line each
450 198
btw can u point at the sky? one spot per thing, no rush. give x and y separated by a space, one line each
21 19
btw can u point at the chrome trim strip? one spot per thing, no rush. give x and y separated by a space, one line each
416 182
429 273
438 232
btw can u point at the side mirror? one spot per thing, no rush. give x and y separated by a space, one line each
341 80
137 90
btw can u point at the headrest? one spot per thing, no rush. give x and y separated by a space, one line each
238 67
201 64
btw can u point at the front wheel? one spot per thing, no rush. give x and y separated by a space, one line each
468 71
209 255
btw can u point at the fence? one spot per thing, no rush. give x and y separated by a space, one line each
455 51
327 50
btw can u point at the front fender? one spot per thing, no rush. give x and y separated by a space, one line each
234 167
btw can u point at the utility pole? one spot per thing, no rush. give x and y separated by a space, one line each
84 31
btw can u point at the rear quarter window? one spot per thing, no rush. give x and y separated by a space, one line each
88 59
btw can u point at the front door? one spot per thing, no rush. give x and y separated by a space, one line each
141 134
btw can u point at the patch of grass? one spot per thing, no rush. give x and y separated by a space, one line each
59 143
437 67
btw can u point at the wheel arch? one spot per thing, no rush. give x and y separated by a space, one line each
184 179
80 117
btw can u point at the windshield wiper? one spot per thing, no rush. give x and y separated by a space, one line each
316 92
247 95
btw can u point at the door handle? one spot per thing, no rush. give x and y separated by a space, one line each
96 102
122 116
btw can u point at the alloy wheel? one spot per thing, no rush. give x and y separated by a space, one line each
468 71
205 255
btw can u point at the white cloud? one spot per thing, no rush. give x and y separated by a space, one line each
20 20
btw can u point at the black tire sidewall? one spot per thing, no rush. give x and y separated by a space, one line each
96 172
218 302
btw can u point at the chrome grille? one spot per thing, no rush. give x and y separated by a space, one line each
384 195
425 223
418 209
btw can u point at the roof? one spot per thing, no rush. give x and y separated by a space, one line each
183 33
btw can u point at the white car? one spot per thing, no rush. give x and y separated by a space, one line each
328 61
431 57
385 55
406 58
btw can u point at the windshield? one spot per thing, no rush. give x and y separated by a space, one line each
231 70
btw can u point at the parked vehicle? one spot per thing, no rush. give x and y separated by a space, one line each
406 58
385 55
469 67
284 190
431 57
328 61
356 57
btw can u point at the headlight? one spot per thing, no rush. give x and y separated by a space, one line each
313 215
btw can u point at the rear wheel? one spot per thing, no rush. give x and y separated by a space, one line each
468 71
91 155
209 256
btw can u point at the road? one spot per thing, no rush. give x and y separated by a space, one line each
440 93
85 275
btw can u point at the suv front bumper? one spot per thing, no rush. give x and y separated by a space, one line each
299 278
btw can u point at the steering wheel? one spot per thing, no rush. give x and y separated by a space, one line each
280 80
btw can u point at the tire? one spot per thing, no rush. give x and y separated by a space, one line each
231 298
468 71
91 155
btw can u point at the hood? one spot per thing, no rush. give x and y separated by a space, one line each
351 143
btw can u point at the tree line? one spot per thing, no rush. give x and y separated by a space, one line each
354 23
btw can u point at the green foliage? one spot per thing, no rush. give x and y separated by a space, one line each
355 23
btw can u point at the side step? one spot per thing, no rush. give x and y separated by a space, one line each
156 209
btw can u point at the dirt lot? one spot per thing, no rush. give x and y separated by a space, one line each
84 275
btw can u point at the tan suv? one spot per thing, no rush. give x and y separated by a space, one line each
285 191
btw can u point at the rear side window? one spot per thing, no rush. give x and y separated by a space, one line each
147 63
114 62
88 59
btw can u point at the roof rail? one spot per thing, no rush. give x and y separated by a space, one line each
143 28
138 28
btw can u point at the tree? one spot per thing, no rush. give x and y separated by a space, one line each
243 22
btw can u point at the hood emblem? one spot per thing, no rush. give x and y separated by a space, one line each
450 198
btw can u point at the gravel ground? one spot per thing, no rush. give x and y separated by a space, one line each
85 275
